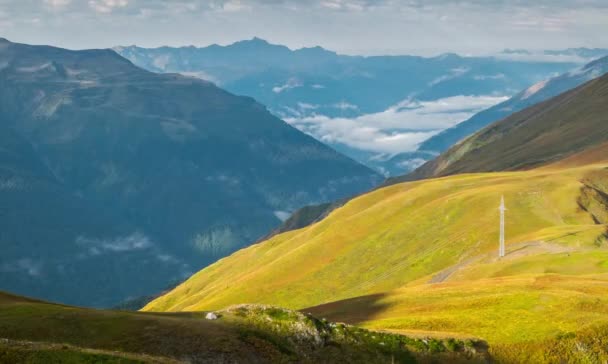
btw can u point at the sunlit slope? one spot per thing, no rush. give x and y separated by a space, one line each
544 318
410 234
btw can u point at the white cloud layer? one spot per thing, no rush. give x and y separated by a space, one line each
401 128
120 244
105 6
291 83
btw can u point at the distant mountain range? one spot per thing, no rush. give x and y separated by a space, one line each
116 181
534 94
567 124
357 104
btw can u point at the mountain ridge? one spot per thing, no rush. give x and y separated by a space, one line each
180 172
536 93
422 255
318 90
589 96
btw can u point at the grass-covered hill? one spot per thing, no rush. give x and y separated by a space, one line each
541 134
406 234
37 332
422 256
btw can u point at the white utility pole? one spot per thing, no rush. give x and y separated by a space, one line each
501 247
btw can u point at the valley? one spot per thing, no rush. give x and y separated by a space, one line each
377 182
422 257
329 95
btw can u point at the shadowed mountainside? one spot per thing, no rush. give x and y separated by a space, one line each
39 332
116 181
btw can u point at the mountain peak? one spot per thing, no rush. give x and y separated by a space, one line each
4 40
258 40
448 56
253 41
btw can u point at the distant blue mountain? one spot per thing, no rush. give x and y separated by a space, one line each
116 181
534 94
309 82
283 79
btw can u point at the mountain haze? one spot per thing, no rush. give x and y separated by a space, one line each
358 105
129 180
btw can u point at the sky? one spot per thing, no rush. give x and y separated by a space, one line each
365 27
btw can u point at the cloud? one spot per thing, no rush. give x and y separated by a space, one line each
235 5
454 73
411 164
57 3
498 76
26 265
202 75
121 244
290 84
305 106
12 183
348 5
167 258
107 6
282 215
401 128
541 56
345 106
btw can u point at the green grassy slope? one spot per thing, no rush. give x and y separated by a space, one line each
546 132
526 319
422 257
403 234
37 332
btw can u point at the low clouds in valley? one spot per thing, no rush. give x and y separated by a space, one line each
400 128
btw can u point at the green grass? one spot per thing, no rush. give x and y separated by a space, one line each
421 257
396 236
27 352
38 332
500 310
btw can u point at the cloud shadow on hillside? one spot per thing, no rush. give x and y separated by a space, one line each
352 310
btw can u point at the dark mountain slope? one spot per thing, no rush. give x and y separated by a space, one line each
168 171
555 129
